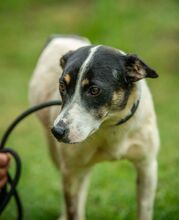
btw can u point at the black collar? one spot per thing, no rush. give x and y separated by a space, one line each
133 110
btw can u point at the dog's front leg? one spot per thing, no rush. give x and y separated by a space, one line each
146 187
75 186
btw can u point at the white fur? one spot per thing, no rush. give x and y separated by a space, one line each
137 140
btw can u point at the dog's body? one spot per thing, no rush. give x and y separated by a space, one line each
89 118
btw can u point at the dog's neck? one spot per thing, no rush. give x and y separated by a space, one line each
121 117
132 104
131 113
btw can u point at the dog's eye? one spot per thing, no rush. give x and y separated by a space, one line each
62 87
94 91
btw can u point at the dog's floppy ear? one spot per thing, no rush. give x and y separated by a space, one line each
137 69
64 58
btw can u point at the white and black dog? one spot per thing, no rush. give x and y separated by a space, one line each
107 113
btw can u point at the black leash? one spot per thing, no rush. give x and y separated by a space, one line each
5 194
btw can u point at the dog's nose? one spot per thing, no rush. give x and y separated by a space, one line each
59 131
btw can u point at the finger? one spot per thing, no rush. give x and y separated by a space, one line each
3 181
8 159
3 172
4 159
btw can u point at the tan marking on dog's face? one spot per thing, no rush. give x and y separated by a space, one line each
103 111
117 97
67 78
85 82
100 113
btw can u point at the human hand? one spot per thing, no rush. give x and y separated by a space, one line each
4 165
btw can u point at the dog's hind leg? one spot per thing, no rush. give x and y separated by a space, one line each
146 187
75 187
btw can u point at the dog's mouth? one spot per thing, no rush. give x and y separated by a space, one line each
66 139
69 142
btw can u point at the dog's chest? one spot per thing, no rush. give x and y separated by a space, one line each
109 145
106 144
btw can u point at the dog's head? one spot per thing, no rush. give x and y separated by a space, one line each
96 82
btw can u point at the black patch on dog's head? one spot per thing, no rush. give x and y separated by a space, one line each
109 70
74 58
64 58
71 64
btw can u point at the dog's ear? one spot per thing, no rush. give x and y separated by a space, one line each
137 69
64 58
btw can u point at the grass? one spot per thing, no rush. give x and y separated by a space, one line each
149 29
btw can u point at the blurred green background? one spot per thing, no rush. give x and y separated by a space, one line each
147 28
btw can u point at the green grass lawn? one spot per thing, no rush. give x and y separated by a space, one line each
150 30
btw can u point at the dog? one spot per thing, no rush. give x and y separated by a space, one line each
107 113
